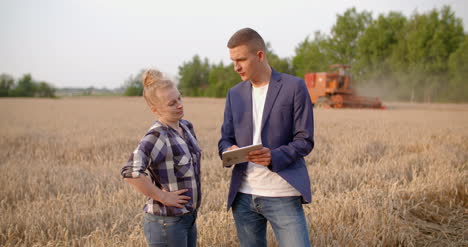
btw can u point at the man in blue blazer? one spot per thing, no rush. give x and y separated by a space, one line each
273 109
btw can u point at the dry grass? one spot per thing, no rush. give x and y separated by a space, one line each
396 177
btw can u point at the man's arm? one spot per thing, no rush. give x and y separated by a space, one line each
228 138
303 128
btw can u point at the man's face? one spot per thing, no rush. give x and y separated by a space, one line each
246 62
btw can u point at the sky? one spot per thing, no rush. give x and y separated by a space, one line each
101 43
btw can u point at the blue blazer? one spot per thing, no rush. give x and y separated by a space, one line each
287 129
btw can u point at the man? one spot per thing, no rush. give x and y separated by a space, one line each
273 109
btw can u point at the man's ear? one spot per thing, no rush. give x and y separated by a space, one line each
261 55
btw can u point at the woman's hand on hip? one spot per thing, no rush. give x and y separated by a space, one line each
174 198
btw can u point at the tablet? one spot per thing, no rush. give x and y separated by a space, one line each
237 156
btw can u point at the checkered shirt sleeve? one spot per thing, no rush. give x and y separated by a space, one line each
151 148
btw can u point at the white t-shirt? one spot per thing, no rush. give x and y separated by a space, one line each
258 179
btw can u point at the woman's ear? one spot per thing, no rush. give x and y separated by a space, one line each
154 110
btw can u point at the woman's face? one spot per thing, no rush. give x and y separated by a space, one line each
170 108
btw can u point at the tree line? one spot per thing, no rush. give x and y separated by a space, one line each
421 58
25 86
199 78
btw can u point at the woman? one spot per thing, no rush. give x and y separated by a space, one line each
169 152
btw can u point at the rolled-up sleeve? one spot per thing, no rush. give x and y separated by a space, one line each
151 149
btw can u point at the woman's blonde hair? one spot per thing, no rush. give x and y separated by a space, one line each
153 81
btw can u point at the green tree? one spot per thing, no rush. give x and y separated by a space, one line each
45 90
6 85
133 85
193 77
221 79
25 87
375 46
458 69
422 53
345 34
312 56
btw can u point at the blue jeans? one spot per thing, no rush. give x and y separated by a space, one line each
170 230
285 215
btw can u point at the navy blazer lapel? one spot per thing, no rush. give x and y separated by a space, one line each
247 100
273 90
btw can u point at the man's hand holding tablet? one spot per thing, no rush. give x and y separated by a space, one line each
235 155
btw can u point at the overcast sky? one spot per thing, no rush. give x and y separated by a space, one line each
100 43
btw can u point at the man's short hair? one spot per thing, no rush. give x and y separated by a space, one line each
249 37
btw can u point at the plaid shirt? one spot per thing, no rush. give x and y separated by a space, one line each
173 163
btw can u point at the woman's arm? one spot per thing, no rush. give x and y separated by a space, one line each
134 172
172 199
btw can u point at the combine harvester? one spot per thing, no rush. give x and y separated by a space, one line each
332 90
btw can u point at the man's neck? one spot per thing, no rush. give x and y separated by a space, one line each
263 77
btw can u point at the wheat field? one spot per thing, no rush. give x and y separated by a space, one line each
395 177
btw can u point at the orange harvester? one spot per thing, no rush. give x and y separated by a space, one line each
332 90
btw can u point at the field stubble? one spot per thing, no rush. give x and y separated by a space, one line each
380 178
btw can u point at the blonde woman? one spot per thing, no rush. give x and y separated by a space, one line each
170 154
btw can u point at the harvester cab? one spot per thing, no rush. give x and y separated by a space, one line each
332 90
